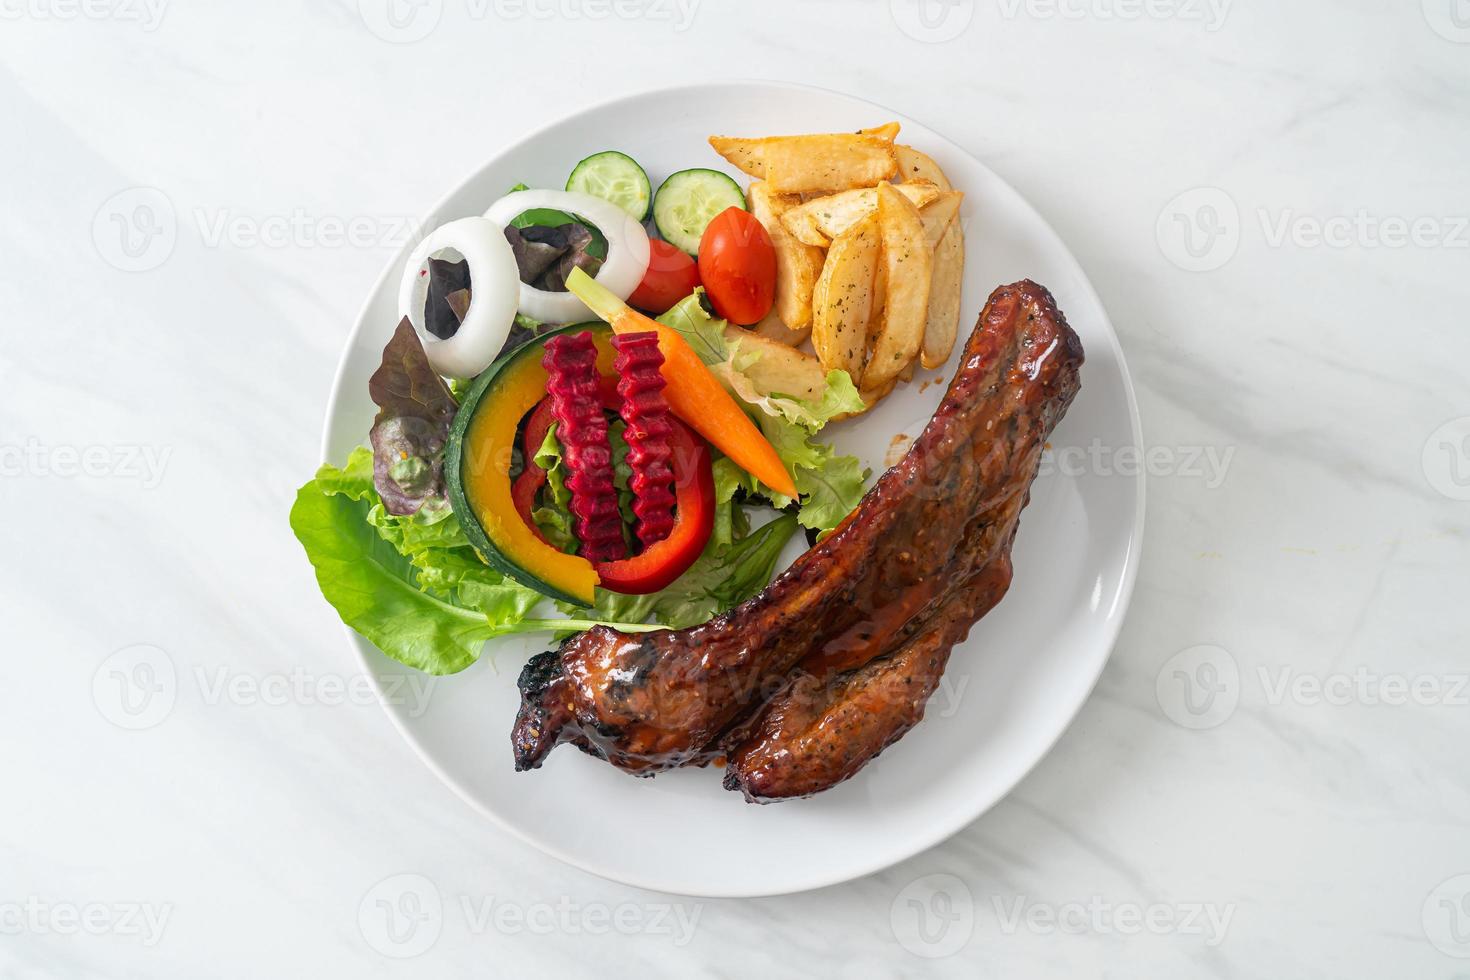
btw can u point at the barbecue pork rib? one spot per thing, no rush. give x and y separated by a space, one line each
816 734
780 727
655 701
833 718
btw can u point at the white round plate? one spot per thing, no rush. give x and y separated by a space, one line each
1011 688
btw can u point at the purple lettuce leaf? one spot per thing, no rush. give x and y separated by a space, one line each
415 411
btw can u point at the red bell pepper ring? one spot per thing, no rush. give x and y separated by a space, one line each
656 567
694 520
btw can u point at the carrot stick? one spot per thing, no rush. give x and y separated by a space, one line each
694 393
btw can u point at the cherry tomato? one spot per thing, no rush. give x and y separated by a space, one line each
738 266
671 276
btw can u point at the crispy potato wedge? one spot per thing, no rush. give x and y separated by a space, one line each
942 324
913 165
880 299
887 131
843 299
801 225
774 328
820 162
822 219
780 369
939 214
797 264
746 154
872 396
909 262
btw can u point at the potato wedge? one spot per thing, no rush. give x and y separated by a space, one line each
820 162
938 214
746 154
773 328
880 300
801 224
910 264
843 299
872 396
942 324
880 303
797 264
779 370
887 131
822 219
913 165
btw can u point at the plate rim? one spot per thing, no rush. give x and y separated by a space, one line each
943 829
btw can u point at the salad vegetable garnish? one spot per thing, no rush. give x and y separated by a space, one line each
627 249
568 473
545 255
689 200
571 363
649 425
671 276
614 177
737 264
492 279
415 411
695 394
448 302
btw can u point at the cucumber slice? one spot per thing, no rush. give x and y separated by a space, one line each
688 201
614 177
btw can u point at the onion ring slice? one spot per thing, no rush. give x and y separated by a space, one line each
493 295
621 272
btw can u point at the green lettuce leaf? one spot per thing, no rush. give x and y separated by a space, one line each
695 321
623 479
613 607
354 480
374 588
830 492
840 397
554 517
722 578
731 520
411 584
829 486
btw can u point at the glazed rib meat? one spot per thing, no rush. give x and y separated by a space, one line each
655 701
833 718
817 733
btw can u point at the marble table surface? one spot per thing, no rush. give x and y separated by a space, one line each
1270 779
